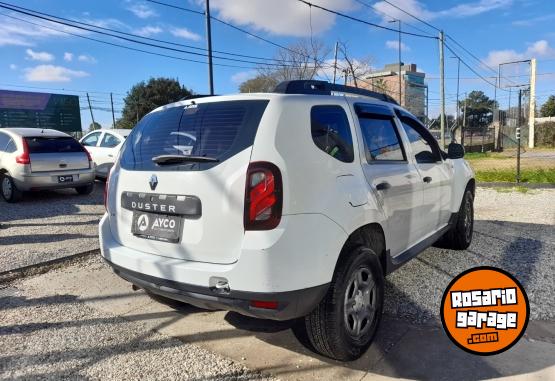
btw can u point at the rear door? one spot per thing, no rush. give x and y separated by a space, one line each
391 175
90 142
186 210
50 154
106 151
435 174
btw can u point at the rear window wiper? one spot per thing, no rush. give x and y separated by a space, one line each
178 159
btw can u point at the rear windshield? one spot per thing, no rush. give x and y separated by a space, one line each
217 130
53 145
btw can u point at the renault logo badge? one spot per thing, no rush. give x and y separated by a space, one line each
153 182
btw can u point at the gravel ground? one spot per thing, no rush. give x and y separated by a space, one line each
58 337
512 231
49 225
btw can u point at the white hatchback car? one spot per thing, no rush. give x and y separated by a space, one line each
104 145
292 204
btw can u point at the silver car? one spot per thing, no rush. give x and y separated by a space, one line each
37 159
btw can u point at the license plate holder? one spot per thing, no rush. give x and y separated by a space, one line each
65 179
158 227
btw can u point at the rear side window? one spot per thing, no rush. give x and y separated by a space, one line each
4 139
109 140
218 130
381 140
53 145
331 132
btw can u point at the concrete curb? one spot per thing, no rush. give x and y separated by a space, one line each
43 267
510 185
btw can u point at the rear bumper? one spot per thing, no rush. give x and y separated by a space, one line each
290 304
49 180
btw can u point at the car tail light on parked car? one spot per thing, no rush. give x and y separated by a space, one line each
106 190
88 157
24 157
263 196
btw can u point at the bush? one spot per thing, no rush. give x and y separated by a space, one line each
544 134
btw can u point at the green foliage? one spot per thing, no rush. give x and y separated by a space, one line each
260 84
94 126
544 134
146 96
509 175
548 108
479 109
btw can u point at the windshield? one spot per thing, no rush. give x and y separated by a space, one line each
216 130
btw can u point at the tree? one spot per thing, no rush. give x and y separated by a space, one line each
479 109
146 96
354 68
548 108
259 84
94 126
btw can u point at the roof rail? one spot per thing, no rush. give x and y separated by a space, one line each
325 88
195 96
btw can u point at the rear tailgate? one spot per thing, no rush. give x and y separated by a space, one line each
50 154
191 210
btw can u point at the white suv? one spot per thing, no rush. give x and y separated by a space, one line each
292 204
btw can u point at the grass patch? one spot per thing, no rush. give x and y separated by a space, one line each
509 175
485 155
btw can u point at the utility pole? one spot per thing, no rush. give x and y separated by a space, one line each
532 108
400 63
113 116
497 84
209 46
137 111
463 121
442 88
518 135
335 61
458 83
90 109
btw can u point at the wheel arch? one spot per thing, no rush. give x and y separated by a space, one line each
370 235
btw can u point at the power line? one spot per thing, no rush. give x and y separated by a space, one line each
363 21
53 19
411 15
177 7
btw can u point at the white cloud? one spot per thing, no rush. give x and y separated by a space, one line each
39 56
142 11
534 20
68 57
539 49
420 10
51 73
289 18
13 66
186 33
242 76
86 58
147 31
394 44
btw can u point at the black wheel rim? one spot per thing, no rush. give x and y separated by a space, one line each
360 302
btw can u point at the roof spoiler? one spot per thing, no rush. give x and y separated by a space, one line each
312 87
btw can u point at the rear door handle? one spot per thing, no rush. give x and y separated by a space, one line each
427 179
383 186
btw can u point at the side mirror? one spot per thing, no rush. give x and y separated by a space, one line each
455 151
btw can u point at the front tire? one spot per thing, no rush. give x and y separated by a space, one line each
85 189
343 325
10 193
459 237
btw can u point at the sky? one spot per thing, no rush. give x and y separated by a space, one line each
43 57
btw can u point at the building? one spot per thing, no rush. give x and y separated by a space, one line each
414 90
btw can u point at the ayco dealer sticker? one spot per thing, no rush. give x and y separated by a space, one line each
485 310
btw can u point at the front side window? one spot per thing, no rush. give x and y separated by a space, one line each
422 144
381 139
91 140
109 140
11 148
331 132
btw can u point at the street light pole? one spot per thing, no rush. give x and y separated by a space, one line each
458 83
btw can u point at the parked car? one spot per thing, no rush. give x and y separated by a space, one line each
104 145
37 159
292 204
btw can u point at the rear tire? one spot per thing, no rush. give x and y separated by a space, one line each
9 190
343 325
85 189
459 237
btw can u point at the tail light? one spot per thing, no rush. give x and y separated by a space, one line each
263 196
88 156
24 158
